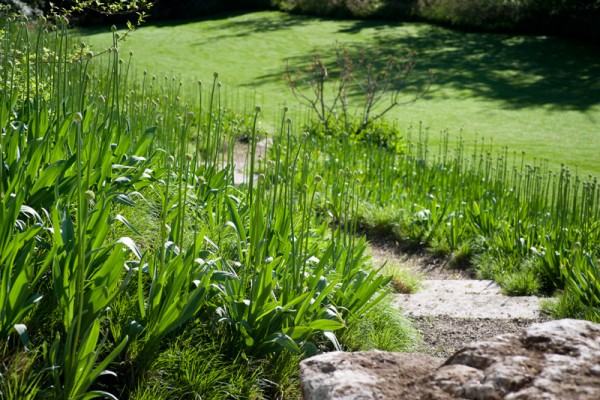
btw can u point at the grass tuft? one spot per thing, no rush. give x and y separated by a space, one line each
382 328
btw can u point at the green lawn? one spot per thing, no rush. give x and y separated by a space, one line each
540 95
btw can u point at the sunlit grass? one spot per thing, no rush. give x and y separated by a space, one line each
532 94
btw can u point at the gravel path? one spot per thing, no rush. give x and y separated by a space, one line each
443 335
451 309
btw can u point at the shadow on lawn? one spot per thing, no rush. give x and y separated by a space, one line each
519 71
232 24
257 23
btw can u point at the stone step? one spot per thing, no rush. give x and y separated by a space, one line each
466 299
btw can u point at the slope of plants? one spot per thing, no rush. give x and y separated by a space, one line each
532 230
132 266
123 238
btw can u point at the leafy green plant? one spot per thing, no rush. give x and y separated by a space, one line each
583 283
19 271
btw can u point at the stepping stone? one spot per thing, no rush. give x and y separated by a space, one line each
466 299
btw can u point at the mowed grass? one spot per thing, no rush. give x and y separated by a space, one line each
540 95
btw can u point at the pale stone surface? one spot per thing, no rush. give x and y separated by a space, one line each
554 360
466 299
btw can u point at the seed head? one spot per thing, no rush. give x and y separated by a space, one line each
190 116
78 117
101 99
113 28
215 75
90 195
170 160
89 55
258 109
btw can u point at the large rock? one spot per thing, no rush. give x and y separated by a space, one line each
551 360
367 375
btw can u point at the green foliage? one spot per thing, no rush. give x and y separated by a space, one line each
193 367
519 224
381 328
521 283
403 279
18 378
200 362
252 260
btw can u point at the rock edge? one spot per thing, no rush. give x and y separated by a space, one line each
551 360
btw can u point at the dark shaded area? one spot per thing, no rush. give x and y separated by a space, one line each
161 10
521 71
185 9
243 28
568 18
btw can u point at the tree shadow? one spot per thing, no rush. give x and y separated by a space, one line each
518 71
256 23
232 26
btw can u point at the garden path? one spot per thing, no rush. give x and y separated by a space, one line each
451 309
